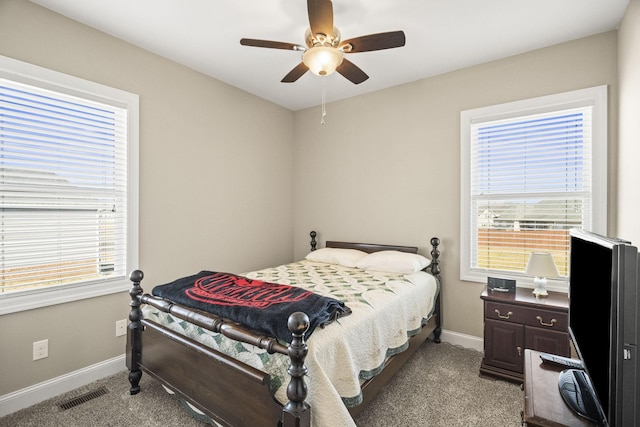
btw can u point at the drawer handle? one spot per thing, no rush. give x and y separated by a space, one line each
553 321
503 317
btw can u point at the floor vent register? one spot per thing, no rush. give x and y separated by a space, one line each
83 398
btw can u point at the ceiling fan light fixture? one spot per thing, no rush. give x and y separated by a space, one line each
324 50
322 60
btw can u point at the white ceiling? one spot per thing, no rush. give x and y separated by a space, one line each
442 35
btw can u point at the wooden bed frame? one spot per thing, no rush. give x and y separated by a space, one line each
231 392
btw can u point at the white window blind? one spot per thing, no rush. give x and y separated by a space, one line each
63 189
531 171
530 184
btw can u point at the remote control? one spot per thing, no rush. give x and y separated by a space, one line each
561 361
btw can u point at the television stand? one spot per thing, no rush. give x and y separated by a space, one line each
543 405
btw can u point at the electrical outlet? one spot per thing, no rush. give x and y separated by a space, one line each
121 327
40 349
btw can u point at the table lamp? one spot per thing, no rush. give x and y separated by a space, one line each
541 266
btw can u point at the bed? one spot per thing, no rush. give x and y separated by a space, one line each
187 350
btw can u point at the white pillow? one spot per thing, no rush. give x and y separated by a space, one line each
394 262
344 257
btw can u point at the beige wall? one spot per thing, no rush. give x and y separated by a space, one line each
629 125
216 173
385 166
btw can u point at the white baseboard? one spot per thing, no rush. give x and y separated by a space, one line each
463 340
12 402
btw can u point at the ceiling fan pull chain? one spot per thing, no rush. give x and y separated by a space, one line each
324 89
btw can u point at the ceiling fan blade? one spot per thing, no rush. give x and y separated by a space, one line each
320 16
352 72
295 74
375 42
271 44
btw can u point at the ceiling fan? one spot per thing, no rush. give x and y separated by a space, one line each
324 51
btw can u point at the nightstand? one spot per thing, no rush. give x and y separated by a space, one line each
516 321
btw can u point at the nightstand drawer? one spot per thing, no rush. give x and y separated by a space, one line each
526 316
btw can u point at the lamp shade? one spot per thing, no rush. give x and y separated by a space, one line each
541 265
322 60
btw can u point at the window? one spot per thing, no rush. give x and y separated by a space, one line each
531 171
68 187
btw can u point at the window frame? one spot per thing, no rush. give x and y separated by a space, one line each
22 72
595 97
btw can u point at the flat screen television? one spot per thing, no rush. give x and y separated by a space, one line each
604 326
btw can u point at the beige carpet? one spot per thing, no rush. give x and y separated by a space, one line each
439 386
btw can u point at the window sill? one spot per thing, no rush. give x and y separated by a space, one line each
22 301
559 285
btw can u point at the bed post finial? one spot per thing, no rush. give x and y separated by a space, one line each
297 412
313 235
134 338
435 256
